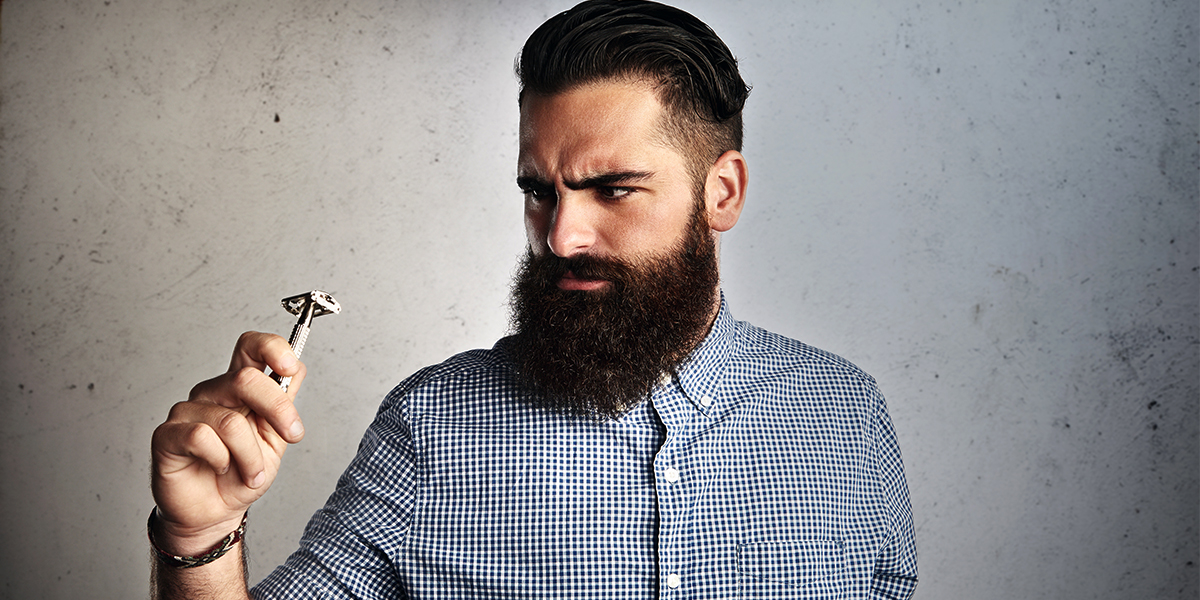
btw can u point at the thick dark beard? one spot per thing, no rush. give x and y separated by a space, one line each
599 353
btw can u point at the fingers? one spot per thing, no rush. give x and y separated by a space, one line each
254 352
219 451
250 390
260 350
217 436
228 419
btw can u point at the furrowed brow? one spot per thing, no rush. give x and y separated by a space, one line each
527 182
608 180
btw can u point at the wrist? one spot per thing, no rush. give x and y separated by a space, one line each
194 550
171 536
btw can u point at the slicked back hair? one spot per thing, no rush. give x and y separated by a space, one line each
692 71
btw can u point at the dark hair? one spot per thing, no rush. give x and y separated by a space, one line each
694 73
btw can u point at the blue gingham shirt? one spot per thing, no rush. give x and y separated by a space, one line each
763 468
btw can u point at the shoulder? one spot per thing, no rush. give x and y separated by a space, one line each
774 352
461 383
793 376
789 385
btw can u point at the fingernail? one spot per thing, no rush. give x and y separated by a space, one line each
297 429
259 479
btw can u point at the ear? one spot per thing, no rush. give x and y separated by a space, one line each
725 190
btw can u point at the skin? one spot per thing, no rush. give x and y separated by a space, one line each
598 179
215 455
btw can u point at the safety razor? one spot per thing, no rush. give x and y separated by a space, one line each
306 306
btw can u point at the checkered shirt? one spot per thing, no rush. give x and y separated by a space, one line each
763 468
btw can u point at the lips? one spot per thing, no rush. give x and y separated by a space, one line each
569 281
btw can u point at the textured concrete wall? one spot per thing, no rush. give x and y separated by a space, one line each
990 206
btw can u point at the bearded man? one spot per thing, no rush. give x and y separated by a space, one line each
630 439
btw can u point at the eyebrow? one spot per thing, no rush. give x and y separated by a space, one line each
603 180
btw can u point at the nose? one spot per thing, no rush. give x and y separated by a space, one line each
572 226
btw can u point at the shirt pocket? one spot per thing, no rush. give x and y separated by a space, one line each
800 569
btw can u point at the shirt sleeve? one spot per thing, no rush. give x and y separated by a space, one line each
349 546
895 574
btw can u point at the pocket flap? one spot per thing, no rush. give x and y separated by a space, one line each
792 563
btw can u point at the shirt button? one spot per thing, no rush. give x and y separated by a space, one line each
706 401
673 580
671 475
665 380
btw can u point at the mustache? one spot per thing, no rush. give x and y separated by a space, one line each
550 268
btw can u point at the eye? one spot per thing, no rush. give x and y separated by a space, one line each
613 193
538 193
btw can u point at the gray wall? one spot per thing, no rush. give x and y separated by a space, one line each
991 206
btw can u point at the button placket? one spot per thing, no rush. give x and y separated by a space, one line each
680 413
668 499
668 490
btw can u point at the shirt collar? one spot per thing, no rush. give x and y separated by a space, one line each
700 376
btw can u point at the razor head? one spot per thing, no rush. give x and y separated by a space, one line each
322 303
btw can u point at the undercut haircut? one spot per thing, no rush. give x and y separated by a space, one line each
692 71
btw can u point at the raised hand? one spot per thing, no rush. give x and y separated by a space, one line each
220 450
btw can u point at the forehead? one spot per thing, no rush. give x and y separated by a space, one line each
589 127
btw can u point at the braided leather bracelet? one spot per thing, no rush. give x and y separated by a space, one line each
187 562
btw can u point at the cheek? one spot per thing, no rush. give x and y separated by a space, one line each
656 231
535 229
